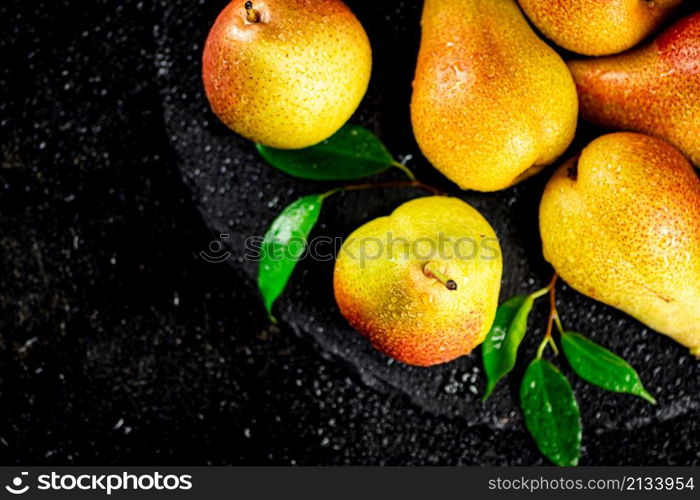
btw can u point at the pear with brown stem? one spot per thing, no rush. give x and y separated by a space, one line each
421 284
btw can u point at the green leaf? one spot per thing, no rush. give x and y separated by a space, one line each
601 367
283 245
551 413
500 348
351 153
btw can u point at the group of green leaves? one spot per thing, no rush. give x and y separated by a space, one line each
351 153
547 400
549 406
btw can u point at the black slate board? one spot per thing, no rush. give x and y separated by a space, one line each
239 195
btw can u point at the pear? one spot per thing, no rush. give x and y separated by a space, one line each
595 27
421 284
492 103
621 224
286 73
654 89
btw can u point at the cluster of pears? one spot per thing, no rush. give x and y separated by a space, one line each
492 105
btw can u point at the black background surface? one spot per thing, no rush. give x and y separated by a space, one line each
120 345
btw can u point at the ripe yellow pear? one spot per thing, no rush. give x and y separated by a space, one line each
621 224
492 103
286 73
597 27
654 89
421 284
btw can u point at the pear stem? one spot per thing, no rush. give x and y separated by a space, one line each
539 293
552 320
430 271
251 14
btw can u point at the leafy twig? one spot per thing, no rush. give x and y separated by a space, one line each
553 318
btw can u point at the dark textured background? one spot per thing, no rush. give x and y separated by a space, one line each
119 344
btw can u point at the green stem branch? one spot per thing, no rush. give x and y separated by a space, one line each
405 170
385 185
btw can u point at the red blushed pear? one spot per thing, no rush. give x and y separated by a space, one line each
286 73
492 103
654 89
421 284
